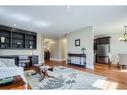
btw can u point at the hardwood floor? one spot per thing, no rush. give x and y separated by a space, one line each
116 78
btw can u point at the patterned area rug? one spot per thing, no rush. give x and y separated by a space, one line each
66 78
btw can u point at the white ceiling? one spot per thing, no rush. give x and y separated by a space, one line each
56 21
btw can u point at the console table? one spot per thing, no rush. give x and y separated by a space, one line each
77 59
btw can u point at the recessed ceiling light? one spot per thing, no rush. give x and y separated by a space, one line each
14 25
68 7
45 41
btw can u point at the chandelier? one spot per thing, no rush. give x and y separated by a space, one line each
124 37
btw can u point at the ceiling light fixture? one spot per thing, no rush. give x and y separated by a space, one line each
68 7
14 25
124 37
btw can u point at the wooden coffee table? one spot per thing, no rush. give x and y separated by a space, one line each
17 84
43 71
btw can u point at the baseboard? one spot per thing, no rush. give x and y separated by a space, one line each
57 59
89 66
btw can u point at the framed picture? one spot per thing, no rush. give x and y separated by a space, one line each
77 42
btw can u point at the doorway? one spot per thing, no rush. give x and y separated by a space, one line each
102 50
55 49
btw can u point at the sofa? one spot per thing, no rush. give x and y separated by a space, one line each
8 69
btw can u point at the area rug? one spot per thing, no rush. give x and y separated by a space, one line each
65 79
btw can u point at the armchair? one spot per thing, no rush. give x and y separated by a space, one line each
122 60
8 69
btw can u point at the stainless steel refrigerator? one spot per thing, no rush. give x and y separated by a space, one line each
103 51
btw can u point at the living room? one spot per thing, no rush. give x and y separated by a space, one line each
66 34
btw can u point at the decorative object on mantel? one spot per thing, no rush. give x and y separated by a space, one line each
83 49
18 44
30 44
77 42
124 37
2 39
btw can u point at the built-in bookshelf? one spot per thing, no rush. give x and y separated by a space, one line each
5 38
30 41
12 38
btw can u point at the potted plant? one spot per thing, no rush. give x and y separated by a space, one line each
83 49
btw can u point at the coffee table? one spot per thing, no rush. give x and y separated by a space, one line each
43 71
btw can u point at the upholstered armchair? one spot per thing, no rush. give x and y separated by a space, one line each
122 60
8 68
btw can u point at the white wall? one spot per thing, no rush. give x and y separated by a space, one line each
86 40
54 49
38 51
62 48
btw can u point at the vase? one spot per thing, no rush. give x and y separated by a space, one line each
2 39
